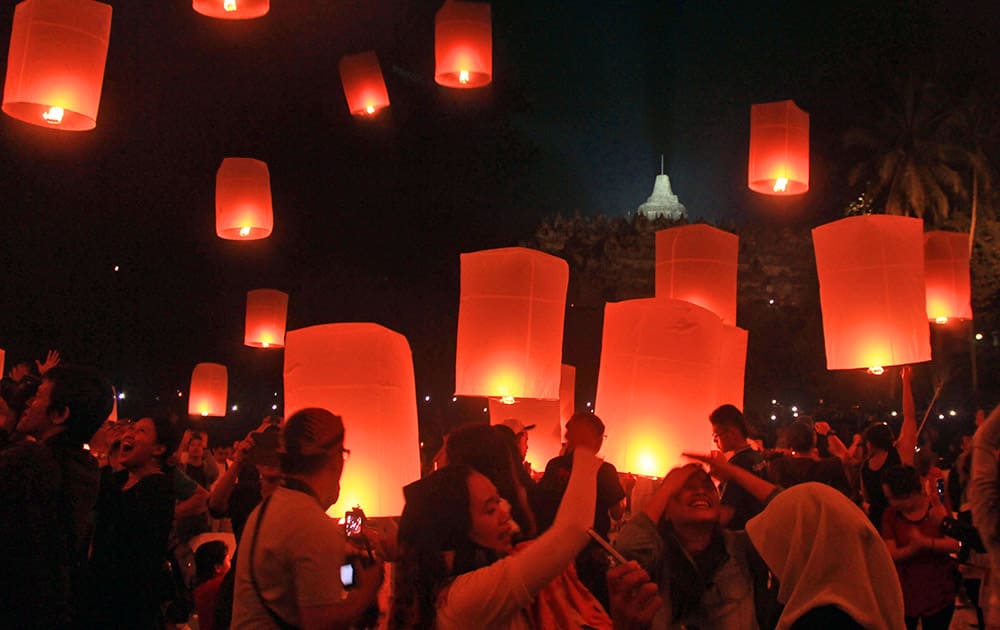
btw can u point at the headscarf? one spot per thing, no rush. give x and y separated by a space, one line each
824 551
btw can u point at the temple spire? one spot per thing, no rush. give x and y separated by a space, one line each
663 202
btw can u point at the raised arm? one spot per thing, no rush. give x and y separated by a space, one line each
722 470
906 445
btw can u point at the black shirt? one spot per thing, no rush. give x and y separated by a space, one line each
745 506
871 480
553 485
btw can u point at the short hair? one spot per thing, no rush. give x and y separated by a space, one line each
207 556
880 436
800 436
168 435
730 417
308 439
589 419
902 481
86 394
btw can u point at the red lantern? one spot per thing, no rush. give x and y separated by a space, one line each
946 260
363 85
55 65
463 45
243 200
510 324
209 384
658 382
265 321
732 366
779 149
2 355
363 373
232 9
548 416
871 289
697 263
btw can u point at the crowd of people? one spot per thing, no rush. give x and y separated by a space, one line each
142 524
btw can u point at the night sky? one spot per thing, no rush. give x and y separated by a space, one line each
370 216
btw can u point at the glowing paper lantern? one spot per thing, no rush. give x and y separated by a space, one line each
697 263
658 382
265 321
548 416
946 260
209 384
55 65
232 9
779 149
2 356
732 366
871 289
463 45
243 200
510 324
363 373
363 85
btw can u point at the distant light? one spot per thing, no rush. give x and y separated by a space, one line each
421 445
275 393
86 447
180 394
940 416
796 414
774 417
116 267
771 301
979 336
893 414
454 399
952 413
121 395
427 398
274 407
589 404
774 402
485 409
794 408
234 407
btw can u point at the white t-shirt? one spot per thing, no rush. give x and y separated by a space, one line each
297 561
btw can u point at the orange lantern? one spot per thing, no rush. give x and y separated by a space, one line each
510 324
548 416
2 356
463 45
946 261
779 149
363 373
363 85
871 289
697 263
243 200
55 65
658 382
732 366
232 9
209 384
265 321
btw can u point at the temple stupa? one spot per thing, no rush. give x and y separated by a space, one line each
663 202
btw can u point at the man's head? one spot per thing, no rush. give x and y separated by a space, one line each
149 439
222 452
729 429
801 438
72 400
584 429
196 446
312 445
902 486
520 431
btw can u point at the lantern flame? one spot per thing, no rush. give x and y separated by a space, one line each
54 115
370 109
204 413
266 344
941 320
229 5
876 370
507 400
463 76
245 231
780 184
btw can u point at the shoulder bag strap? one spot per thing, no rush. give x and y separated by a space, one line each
281 623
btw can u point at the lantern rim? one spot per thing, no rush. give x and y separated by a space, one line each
31 113
216 10
451 79
767 187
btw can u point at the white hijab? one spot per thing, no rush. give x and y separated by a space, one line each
824 551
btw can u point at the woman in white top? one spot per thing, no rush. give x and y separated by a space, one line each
456 569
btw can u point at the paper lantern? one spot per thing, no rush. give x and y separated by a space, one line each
232 9
243 200
658 382
871 289
363 85
946 261
779 149
697 263
265 321
510 324
209 384
55 64
548 416
463 45
2 356
732 366
363 373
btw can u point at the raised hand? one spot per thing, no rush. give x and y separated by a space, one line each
51 360
633 597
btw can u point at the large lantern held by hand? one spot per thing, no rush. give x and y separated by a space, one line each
209 387
946 260
697 263
265 320
510 324
779 149
232 9
243 200
463 45
363 373
55 65
871 289
364 87
659 380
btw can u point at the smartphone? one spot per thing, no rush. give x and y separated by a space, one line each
347 575
616 557
354 522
